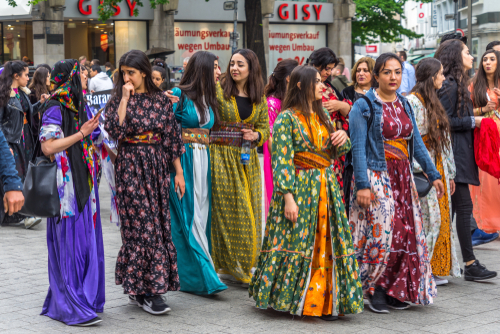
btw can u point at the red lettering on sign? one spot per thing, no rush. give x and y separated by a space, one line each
131 5
83 11
295 12
307 14
117 9
317 9
283 16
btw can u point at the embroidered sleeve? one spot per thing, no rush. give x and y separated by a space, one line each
262 124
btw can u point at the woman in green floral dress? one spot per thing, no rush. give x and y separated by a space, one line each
307 264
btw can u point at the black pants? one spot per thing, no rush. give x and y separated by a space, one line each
462 206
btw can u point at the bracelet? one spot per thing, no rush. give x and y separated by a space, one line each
83 137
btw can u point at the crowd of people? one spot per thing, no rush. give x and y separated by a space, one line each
362 182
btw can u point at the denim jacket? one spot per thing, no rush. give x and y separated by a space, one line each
368 147
8 173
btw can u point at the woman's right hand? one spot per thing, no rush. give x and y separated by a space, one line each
364 197
291 208
90 126
491 105
477 120
127 91
171 96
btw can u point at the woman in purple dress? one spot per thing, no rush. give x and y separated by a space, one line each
74 240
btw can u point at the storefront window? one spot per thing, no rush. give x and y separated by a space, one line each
17 38
89 39
130 35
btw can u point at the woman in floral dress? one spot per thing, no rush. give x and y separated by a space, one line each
307 264
434 128
325 61
140 117
385 219
275 93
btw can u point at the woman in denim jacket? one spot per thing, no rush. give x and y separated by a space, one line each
385 218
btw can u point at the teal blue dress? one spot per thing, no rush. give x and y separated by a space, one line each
190 217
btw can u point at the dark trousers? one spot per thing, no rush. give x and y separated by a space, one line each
462 207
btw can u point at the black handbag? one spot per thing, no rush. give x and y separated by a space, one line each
422 183
41 198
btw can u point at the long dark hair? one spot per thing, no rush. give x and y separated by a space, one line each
480 81
39 82
254 87
10 68
198 83
303 99
276 86
449 54
380 65
322 57
138 60
438 125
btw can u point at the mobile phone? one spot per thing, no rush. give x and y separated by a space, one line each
488 97
99 113
178 191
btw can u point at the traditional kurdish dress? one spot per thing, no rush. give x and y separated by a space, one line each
75 244
436 212
191 228
340 122
273 109
150 140
306 268
389 238
485 197
236 189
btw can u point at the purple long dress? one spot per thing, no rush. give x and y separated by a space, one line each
75 245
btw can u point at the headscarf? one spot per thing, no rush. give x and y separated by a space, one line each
68 94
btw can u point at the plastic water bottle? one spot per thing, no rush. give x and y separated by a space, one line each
245 152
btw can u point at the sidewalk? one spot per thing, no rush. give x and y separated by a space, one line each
461 307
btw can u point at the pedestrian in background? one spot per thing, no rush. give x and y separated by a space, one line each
237 187
140 117
408 80
275 91
456 60
196 111
74 239
307 265
495 45
100 81
434 127
158 75
485 94
109 69
386 223
340 81
39 86
17 124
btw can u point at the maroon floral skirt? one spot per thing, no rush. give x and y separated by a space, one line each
402 276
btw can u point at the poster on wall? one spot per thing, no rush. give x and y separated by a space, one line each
204 36
294 41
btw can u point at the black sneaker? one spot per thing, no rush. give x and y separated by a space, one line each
91 322
378 303
155 305
397 304
136 300
329 317
478 272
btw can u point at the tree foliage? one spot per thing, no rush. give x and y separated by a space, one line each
380 21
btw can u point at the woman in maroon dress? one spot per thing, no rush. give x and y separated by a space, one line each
140 117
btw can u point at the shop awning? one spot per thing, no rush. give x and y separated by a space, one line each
414 59
21 11
430 55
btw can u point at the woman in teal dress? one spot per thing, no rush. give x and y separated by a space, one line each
196 111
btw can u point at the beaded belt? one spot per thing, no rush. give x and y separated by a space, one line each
229 134
396 149
309 160
144 139
196 135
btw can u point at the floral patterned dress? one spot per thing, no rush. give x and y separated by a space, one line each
389 238
307 267
147 260
436 213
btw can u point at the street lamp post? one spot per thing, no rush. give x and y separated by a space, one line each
234 36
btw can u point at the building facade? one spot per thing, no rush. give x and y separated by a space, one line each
61 29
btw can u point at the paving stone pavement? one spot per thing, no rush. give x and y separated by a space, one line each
461 307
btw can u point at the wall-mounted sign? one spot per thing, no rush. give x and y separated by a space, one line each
104 42
302 12
88 9
371 49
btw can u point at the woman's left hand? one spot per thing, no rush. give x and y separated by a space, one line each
180 184
338 138
250 135
452 187
44 98
438 184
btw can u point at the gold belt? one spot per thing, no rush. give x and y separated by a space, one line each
196 135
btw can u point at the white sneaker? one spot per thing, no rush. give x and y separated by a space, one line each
440 281
31 222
